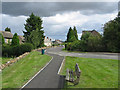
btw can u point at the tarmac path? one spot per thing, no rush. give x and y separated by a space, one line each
48 78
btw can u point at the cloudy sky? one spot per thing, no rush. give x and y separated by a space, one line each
59 16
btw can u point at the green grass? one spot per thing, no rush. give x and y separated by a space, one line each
96 73
4 59
16 75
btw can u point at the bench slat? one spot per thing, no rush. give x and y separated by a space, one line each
67 75
70 75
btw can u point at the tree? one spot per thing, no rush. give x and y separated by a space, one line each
84 41
70 35
35 37
15 40
34 31
111 35
94 43
75 33
8 29
2 41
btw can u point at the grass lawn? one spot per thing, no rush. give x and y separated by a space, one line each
96 73
4 59
16 75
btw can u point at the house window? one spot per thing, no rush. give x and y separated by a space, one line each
6 40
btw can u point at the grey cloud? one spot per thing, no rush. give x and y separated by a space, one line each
45 9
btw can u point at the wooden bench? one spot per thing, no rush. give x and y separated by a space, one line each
73 77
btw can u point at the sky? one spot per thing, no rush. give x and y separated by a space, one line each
58 17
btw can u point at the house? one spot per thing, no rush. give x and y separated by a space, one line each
47 41
8 37
93 32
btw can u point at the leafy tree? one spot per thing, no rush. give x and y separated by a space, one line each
8 29
35 37
75 33
15 40
70 35
34 34
84 41
85 36
111 35
2 41
94 43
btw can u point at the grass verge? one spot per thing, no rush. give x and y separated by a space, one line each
5 59
96 73
16 75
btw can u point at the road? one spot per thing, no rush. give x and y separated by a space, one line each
102 55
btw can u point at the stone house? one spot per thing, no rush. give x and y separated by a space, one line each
8 37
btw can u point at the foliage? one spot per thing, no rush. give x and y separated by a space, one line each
94 43
8 29
88 42
75 33
74 46
34 33
13 51
2 40
15 40
70 36
111 35
84 41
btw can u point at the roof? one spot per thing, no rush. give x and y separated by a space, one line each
7 34
93 32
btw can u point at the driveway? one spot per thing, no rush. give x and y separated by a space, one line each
101 55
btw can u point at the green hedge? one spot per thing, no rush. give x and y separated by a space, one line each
13 51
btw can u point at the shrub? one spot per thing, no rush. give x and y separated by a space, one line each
75 45
7 51
15 40
13 51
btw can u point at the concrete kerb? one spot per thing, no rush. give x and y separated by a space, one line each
36 74
61 66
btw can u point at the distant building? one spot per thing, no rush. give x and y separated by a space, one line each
21 39
8 37
47 41
57 42
93 32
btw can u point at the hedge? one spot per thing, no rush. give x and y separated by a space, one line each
14 51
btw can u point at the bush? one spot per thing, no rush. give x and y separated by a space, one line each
7 51
15 40
13 51
75 45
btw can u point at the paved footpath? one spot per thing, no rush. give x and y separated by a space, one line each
48 78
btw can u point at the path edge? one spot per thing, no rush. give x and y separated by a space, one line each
61 66
36 74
